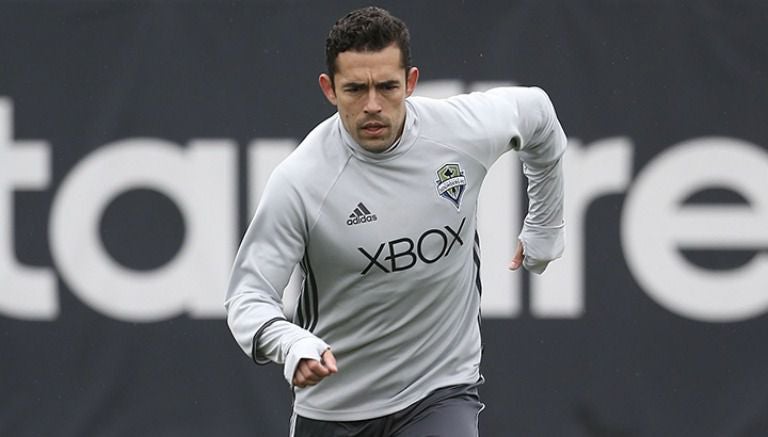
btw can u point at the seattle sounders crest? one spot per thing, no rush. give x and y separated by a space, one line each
451 183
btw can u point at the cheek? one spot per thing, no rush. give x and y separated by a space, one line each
396 103
397 108
348 119
348 108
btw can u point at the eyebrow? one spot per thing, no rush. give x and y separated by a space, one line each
352 85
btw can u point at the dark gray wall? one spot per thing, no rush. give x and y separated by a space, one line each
84 74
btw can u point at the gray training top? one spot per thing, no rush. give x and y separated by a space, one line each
389 248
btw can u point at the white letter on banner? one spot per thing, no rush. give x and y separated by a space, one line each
25 292
656 226
600 168
498 222
200 180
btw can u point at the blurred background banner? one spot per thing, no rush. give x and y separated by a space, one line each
135 138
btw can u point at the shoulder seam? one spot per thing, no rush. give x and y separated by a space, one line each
316 218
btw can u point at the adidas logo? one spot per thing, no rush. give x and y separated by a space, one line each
361 215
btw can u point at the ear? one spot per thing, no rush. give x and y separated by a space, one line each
410 81
326 84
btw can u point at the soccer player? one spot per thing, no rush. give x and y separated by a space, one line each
378 207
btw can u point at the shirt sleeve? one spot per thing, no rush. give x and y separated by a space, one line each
524 119
272 246
540 145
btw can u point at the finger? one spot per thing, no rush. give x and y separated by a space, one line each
330 361
310 372
302 371
517 259
317 369
298 380
302 382
304 376
312 380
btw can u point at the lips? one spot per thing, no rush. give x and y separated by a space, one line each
373 128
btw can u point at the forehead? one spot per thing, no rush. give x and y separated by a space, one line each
354 66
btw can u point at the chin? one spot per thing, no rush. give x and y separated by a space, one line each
375 148
375 145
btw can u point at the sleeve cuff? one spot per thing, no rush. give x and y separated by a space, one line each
256 357
306 348
541 245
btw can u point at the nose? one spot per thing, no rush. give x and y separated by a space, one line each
372 105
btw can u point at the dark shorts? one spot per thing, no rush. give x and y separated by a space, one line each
446 412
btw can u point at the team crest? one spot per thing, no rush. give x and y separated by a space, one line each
451 183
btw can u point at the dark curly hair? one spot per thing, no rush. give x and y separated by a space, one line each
367 29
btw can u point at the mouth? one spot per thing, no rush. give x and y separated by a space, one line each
373 128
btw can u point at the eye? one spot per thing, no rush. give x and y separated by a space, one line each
352 89
389 86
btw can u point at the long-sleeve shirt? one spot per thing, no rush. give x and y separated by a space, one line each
389 248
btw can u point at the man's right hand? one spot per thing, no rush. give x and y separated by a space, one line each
310 372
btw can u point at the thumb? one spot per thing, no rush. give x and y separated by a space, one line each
517 259
329 361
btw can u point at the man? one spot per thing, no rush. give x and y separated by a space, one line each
378 207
